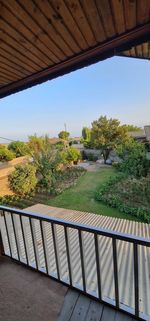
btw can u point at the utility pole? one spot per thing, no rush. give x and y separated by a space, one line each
65 127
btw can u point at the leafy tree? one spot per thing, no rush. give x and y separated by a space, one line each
19 148
36 143
106 134
132 128
46 158
23 179
64 135
86 134
133 158
5 154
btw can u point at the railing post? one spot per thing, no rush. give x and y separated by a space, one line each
1 245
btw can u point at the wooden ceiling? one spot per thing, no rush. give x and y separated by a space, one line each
141 51
42 39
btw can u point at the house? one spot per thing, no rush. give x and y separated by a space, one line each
39 41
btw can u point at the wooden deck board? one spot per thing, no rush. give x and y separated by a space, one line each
77 307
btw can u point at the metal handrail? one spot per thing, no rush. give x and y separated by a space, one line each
84 227
115 236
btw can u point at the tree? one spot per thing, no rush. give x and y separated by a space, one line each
86 134
23 179
131 128
5 154
64 135
46 158
106 134
36 143
133 158
19 148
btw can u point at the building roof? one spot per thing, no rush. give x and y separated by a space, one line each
41 40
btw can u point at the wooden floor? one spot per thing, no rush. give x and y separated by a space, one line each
78 307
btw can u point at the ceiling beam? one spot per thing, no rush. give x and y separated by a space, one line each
104 50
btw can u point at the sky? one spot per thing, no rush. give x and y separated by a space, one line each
117 87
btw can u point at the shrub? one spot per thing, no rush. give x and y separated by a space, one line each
71 155
19 148
133 159
23 179
5 154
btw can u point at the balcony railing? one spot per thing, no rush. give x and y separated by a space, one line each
59 249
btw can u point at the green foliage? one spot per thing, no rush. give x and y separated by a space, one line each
133 158
23 179
91 157
60 145
5 154
131 128
106 134
75 142
64 135
86 134
129 195
36 143
47 160
71 155
19 148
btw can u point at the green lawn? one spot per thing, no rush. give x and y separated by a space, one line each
81 196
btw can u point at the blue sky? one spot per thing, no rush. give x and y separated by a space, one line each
117 87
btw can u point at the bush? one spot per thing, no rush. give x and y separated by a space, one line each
5 154
70 155
23 179
19 148
129 195
133 159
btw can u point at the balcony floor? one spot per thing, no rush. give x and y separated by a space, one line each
26 295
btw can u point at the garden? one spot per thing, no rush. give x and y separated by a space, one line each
53 177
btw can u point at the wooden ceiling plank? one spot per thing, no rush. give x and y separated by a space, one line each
145 50
139 50
9 78
106 16
10 65
40 35
23 35
6 52
46 27
93 17
59 24
143 11
62 9
81 21
132 52
130 14
9 73
10 70
117 7
27 56
24 46
16 54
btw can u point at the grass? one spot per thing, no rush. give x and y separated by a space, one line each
81 196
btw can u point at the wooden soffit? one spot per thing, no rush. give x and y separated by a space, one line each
43 39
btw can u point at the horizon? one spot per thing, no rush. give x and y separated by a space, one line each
116 87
